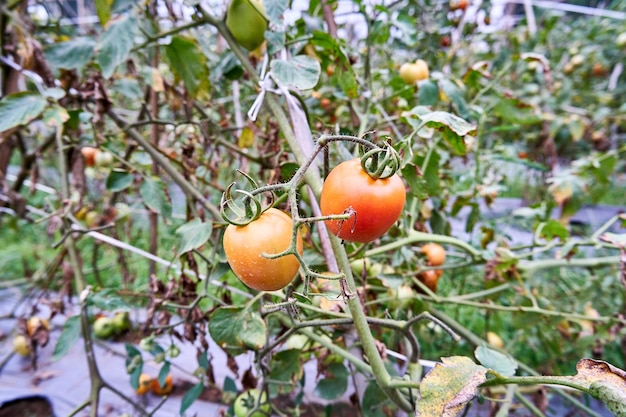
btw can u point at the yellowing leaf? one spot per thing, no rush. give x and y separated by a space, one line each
448 387
246 139
157 81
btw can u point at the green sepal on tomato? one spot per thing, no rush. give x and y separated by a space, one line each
269 234
374 205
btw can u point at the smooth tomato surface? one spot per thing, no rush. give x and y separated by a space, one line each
435 253
376 204
269 234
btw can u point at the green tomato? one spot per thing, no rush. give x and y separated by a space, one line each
246 402
400 297
247 22
20 345
296 341
103 327
621 40
104 159
121 322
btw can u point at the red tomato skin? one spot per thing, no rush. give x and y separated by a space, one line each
377 203
270 234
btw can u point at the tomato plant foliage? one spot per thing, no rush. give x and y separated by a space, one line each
128 146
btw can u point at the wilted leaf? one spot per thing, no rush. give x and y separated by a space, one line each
193 235
497 361
20 109
448 387
103 10
189 65
237 329
301 72
246 138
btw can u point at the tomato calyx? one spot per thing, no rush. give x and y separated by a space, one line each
381 163
249 208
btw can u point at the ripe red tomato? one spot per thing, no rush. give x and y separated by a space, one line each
269 234
376 204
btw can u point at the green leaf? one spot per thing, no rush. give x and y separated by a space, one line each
497 361
103 10
428 92
189 65
67 339
119 180
286 367
20 109
453 129
375 403
163 373
55 116
551 229
417 184
301 72
455 94
348 83
275 41
275 8
107 299
448 387
153 193
190 397
335 382
230 385
72 54
237 329
516 112
115 44
193 235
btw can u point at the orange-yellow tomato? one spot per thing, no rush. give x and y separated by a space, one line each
163 390
145 384
374 204
435 253
430 278
269 234
90 153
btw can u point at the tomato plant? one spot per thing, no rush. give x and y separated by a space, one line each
374 205
245 246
